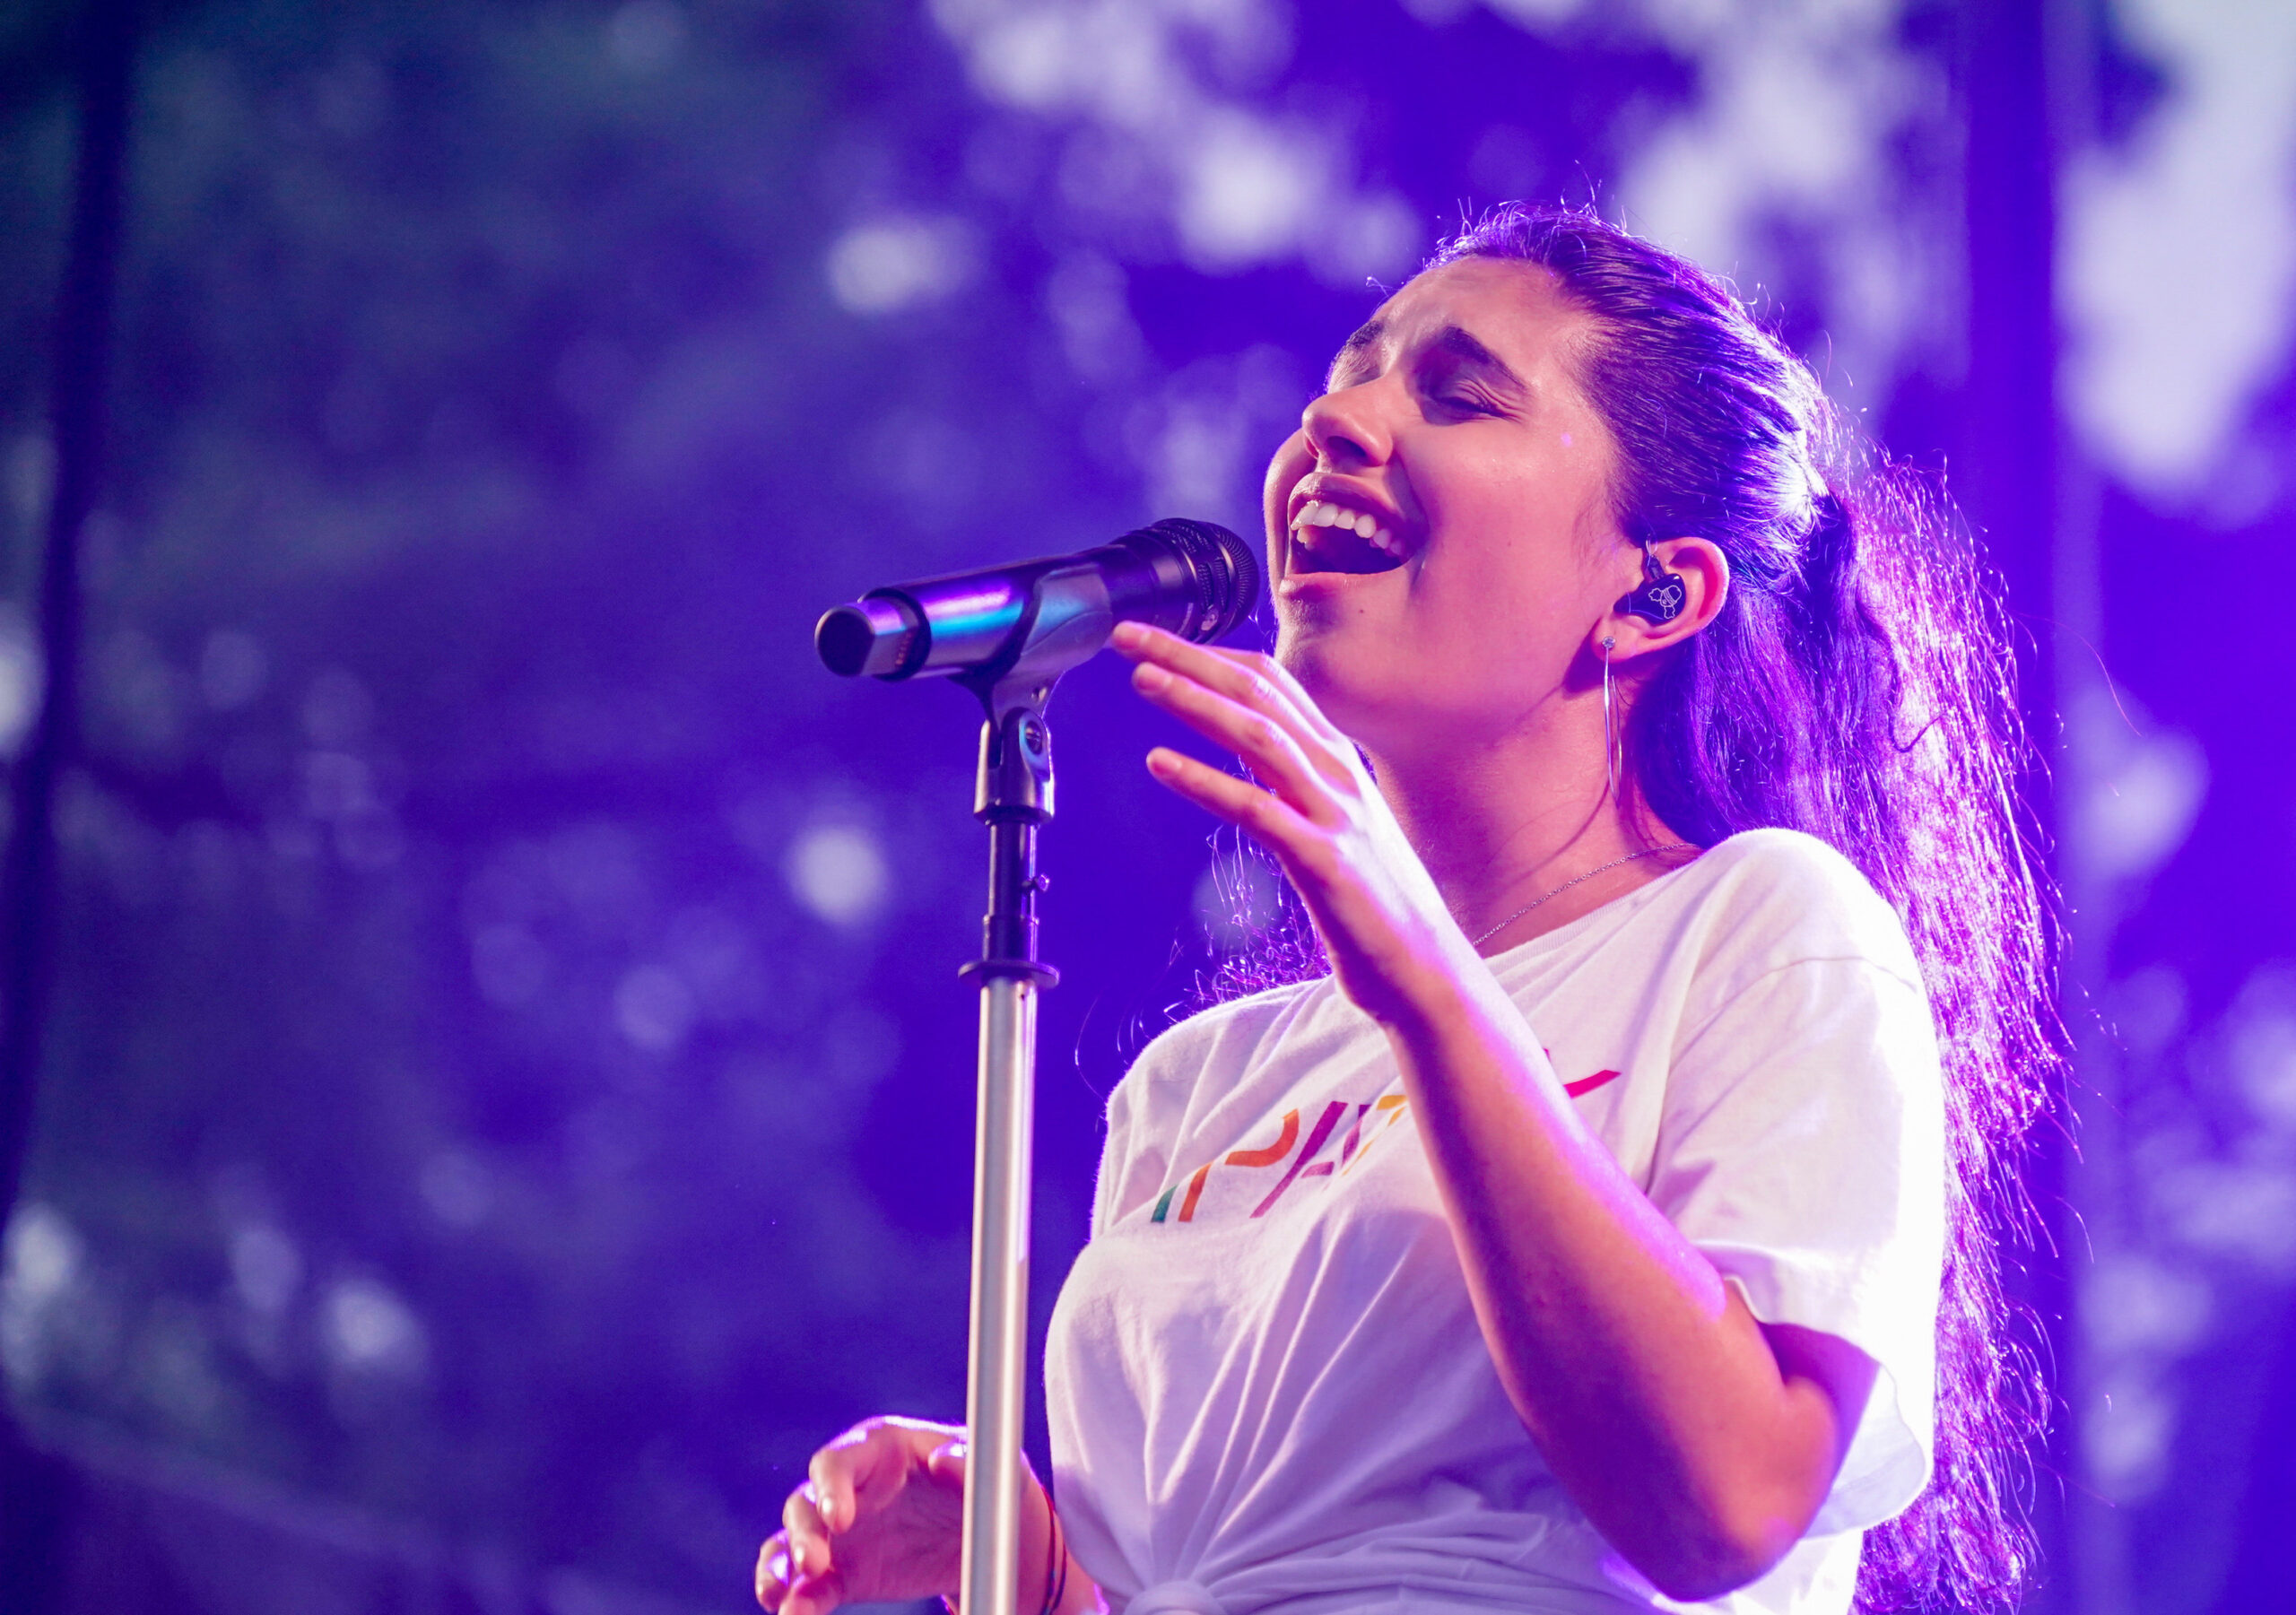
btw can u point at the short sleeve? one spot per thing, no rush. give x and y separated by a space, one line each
1115 1153
1802 1149
1147 1111
1133 1159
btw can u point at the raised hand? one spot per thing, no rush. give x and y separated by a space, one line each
1384 924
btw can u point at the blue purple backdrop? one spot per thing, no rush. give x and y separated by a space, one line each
506 1091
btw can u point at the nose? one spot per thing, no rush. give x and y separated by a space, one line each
1344 428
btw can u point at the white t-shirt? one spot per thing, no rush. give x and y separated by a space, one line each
1266 1386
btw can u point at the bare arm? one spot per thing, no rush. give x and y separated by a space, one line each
1698 1442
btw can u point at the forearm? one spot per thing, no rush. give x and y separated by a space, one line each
1078 1594
1649 1388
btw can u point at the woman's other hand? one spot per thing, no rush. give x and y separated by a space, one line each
879 1519
1385 926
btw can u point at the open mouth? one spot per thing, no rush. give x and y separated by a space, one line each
1327 536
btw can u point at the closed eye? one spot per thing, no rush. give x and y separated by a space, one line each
1459 373
1462 402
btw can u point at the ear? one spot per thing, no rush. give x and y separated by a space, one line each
1705 573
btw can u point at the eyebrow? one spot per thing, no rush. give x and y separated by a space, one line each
1463 344
1456 340
1366 337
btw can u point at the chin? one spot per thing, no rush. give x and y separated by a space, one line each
1362 697
1391 703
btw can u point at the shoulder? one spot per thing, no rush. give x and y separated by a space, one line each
1223 1037
1767 899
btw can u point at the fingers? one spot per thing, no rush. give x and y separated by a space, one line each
783 1588
774 1571
837 1474
1250 681
1277 825
946 1462
1263 743
857 1472
794 1560
1254 681
808 1536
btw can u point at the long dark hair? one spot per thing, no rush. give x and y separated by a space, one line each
1858 685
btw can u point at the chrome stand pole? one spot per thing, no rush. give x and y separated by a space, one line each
998 1396
1013 795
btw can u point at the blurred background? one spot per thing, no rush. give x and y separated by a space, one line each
499 1086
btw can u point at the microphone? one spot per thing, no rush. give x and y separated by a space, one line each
1033 620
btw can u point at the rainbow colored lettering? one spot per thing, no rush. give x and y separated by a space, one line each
1385 1111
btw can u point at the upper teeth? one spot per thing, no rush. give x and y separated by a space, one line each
1322 513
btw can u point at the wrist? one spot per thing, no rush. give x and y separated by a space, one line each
1433 1002
1055 1569
1050 1582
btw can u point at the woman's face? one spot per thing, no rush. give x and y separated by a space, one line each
1440 541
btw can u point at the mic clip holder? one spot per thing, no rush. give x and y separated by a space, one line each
1069 620
1013 796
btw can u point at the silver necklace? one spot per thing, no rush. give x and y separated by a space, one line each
1647 852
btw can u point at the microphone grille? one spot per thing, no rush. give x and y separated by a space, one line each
1223 568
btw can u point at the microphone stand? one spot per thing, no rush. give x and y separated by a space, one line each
1069 620
1052 619
1013 796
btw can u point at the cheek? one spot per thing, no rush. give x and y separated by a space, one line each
1534 508
1508 549
1292 461
1513 589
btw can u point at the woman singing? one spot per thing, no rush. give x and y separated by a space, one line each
1612 1227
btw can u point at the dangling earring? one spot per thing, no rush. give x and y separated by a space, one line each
1610 728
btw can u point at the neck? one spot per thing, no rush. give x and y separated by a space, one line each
1501 822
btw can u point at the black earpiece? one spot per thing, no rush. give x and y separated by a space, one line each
1660 596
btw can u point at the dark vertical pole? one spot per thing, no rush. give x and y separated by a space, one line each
2096 1575
2008 477
32 1497
2008 462
82 358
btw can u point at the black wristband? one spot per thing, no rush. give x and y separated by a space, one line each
1055 1587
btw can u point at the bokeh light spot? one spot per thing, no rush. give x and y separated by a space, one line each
21 675
508 964
839 871
44 1256
894 264
654 1008
337 709
368 1330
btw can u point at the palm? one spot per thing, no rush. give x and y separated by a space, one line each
904 1543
